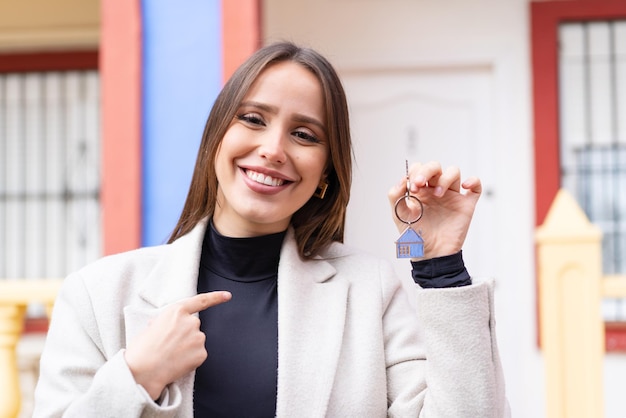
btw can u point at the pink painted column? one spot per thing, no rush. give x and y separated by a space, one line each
241 33
120 72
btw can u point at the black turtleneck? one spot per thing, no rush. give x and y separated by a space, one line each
239 376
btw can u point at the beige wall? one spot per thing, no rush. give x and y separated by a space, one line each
49 24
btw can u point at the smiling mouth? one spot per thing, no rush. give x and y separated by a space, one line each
264 179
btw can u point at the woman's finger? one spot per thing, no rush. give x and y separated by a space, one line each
202 301
473 185
421 175
450 179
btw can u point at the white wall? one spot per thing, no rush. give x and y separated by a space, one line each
485 37
422 43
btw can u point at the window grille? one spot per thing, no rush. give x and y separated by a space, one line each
601 183
49 173
592 77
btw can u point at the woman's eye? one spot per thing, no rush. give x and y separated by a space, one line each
306 136
251 119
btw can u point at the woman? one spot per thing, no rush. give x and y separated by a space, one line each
255 308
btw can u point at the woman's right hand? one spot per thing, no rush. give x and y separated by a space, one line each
172 345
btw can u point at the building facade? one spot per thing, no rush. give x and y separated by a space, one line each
470 83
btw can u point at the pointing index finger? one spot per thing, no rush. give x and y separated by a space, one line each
202 301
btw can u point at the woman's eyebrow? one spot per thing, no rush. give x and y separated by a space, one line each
310 120
259 105
274 110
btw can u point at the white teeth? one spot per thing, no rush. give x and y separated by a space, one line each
263 179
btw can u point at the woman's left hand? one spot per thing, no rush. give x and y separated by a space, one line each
447 210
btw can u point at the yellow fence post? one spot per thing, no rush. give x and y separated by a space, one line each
11 323
570 293
15 295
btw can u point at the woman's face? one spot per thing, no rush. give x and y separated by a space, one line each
273 155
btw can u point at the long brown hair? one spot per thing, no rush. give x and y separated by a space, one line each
319 221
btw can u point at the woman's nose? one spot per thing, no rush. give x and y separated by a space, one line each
272 147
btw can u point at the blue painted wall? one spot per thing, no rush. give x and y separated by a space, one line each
182 72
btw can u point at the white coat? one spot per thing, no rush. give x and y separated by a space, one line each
349 344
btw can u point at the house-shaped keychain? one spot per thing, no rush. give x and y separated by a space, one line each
410 245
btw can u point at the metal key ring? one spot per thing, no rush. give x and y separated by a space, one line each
408 196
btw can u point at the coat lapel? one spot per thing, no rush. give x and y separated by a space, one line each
175 277
312 303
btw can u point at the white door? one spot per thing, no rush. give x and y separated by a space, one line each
419 115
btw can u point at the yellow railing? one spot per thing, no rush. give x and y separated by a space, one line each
571 289
15 296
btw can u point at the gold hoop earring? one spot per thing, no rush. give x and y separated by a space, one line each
320 192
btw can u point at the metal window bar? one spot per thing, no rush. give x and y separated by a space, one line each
592 89
601 171
49 173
